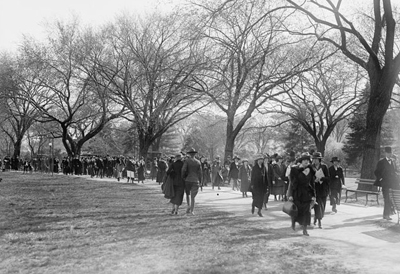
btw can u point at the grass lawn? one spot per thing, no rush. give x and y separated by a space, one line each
66 224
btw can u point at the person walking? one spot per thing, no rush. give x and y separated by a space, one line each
244 177
302 191
321 187
130 170
141 170
278 183
336 181
192 175
269 177
118 169
161 171
233 174
216 168
386 177
175 172
258 184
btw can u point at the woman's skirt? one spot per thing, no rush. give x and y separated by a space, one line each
178 198
304 215
258 199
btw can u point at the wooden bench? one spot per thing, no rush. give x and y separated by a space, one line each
395 198
367 182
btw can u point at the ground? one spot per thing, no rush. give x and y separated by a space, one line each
61 224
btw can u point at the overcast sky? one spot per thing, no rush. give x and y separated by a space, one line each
18 17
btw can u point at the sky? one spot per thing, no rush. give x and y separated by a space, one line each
29 17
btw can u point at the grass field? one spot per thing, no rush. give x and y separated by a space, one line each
60 224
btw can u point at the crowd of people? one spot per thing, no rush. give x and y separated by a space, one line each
305 180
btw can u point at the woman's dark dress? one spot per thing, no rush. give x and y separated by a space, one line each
302 189
161 172
244 177
175 172
321 192
259 185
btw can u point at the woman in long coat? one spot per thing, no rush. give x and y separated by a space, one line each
302 191
141 170
321 187
258 184
175 172
278 184
244 177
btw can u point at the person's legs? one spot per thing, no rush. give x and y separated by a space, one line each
387 203
193 192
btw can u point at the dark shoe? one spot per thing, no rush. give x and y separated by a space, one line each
305 233
252 210
294 225
319 224
259 214
315 221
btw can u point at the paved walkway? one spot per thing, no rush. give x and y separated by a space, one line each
367 243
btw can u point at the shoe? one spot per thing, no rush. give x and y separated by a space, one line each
188 210
305 233
252 210
319 224
259 214
294 225
173 212
387 218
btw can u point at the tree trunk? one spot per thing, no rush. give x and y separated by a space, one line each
377 106
17 148
230 139
144 145
320 145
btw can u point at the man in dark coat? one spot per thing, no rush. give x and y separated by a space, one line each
192 175
258 184
216 173
175 172
336 181
387 178
233 174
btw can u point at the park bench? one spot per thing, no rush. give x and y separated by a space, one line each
395 197
369 184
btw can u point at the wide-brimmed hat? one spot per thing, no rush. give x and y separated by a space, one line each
317 155
245 160
258 157
335 159
305 156
178 156
236 157
191 151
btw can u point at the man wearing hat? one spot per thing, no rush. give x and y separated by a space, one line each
192 175
336 181
233 174
321 187
386 177
258 184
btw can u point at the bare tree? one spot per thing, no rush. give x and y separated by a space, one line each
70 94
251 57
378 54
153 71
18 113
321 99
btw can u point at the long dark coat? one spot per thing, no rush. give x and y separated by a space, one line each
175 172
336 181
244 177
321 191
259 185
279 174
386 175
302 189
161 172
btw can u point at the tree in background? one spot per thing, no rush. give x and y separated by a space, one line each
153 70
373 45
250 57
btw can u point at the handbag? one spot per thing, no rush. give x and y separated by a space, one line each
290 208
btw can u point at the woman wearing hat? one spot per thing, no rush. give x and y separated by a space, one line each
244 177
335 183
302 191
233 173
321 187
258 184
